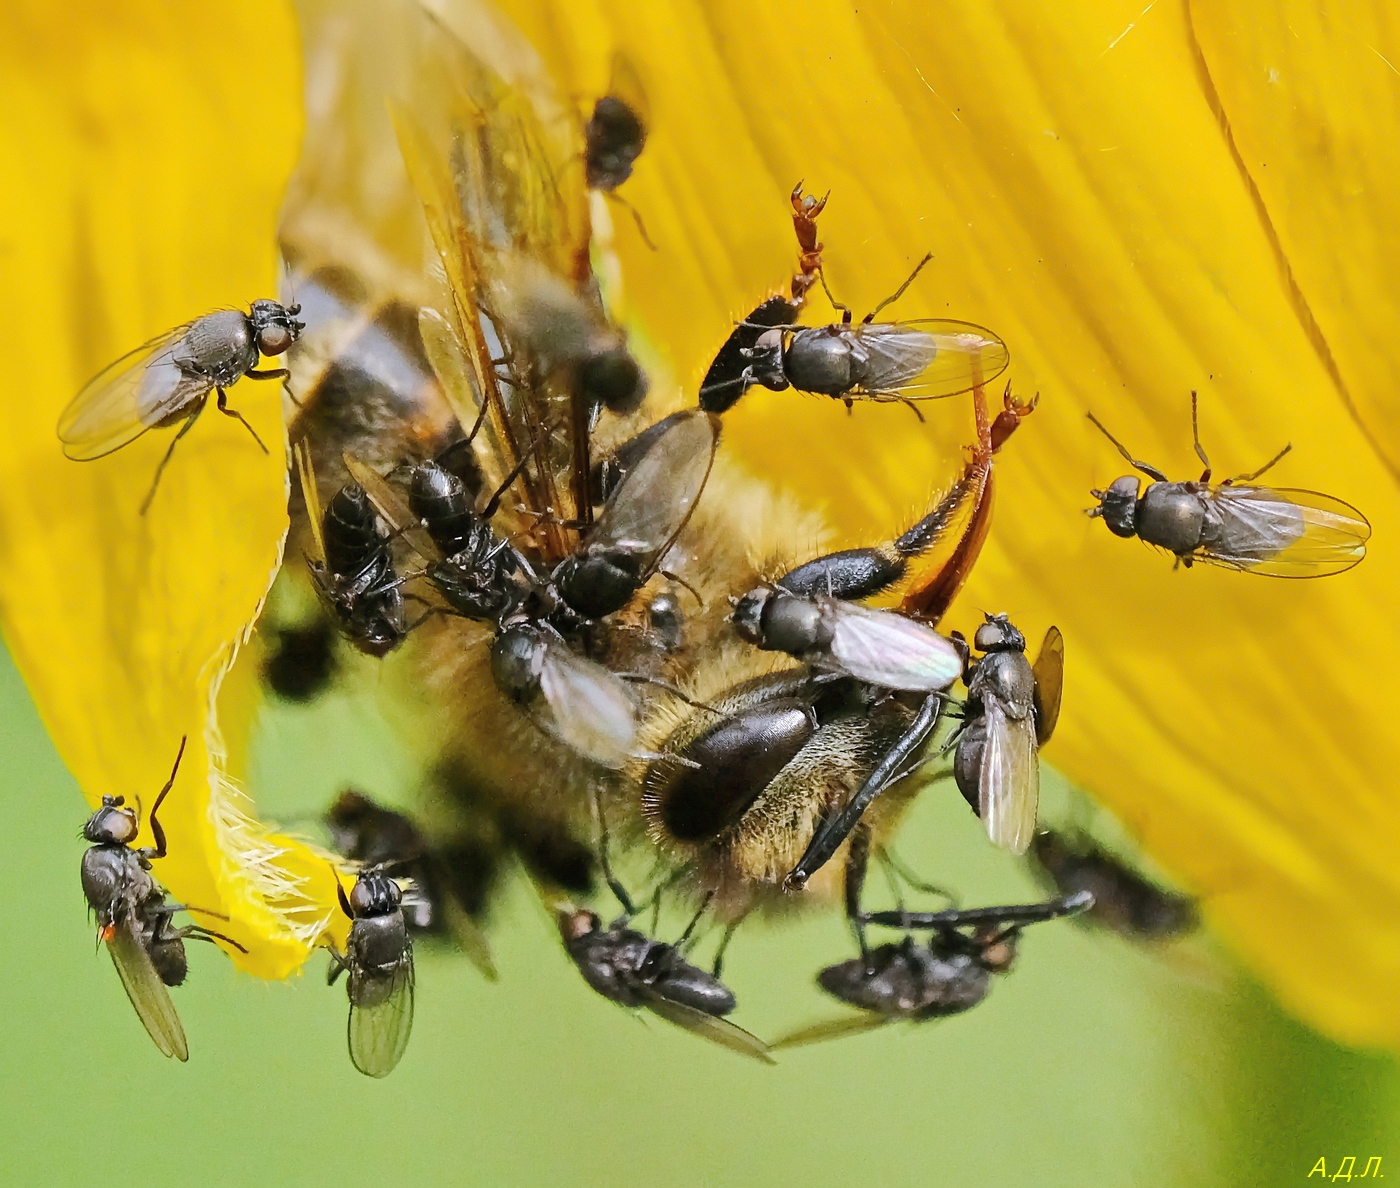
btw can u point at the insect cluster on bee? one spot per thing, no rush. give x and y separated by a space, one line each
608 632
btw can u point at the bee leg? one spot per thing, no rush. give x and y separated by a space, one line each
238 416
155 482
1196 439
835 829
273 373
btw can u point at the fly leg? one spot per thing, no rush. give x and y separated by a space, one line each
899 292
1196 440
238 416
185 428
1254 474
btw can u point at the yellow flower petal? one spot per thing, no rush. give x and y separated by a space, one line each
1072 172
146 147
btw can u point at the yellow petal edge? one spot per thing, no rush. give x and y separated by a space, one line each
147 147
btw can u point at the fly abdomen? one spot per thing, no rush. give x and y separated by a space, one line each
442 502
693 987
354 541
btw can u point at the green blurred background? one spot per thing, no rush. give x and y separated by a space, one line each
1091 1064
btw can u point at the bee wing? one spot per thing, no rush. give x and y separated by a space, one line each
393 509
710 1027
1286 533
830 1029
1008 783
126 398
470 938
306 475
146 991
378 1034
1049 670
589 708
889 650
655 499
928 358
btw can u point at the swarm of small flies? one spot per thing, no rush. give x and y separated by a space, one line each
603 626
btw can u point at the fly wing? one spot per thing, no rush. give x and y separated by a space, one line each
146 991
710 1027
830 1029
1008 782
1049 671
378 1034
1285 533
655 500
886 649
588 707
126 398
927 359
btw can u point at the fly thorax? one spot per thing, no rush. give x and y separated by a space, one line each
517 656
219 345
1172 516
1005 677
107 871
378 942
820 361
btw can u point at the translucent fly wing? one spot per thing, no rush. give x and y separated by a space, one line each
655 500
378 1034
588 707
1049 671
928 359
146 991
126 398
889 650
1008 781
1285 533
830 1029
710 1027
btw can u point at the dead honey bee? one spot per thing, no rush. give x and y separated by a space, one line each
578 563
